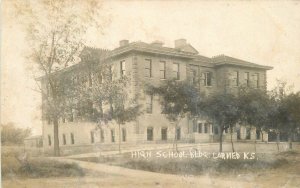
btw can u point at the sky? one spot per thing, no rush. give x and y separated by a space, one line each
266 33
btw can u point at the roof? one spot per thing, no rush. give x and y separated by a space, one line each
227 60
187 52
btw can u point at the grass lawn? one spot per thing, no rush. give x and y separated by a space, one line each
15 163
198 166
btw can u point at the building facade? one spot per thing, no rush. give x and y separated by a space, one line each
153 63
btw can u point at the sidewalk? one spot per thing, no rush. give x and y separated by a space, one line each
161 180
145 147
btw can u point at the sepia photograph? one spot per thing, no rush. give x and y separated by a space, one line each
136 93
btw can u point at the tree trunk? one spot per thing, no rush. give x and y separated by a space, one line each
255 145
119 138
290 141
278 140
231 132
262 136
56 140
175 140
221 140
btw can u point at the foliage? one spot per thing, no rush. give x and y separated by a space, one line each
254 106
56 33
14 165
11 135
178 98
222 108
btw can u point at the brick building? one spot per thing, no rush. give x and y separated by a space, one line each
153 63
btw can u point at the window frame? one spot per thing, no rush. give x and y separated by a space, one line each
207 79
148 70
122 68
176 73
124 134
64 139
256 79
113 135
164 135
162 70
247 78
72 138
150 137
236 78
149 104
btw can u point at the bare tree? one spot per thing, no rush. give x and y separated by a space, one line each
56 34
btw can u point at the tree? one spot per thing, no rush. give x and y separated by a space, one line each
11 135
223 109
254 106
123 107
283 116
56 34
178 99
289 111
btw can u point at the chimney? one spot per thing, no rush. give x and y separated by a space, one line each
157 43
123 42
180 43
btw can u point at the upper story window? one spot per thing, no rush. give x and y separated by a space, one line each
194 74
235 78
256 80
149 103
246 78
176 71
162 70
123 68
148 68
207 77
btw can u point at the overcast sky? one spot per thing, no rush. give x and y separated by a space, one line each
266 33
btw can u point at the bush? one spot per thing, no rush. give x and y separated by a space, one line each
15 163
10 135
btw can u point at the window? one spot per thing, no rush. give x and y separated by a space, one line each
164 133
123 134
92 137
149 103
123 68
162 70
256 80
72 138
200 128
246 77
71 116
194 77
49 140
257 134
176 71
102 135
195 126
248 133
206 127
194 74
207 77
178 133
235 78
148 68
112 132
150 133
64 139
